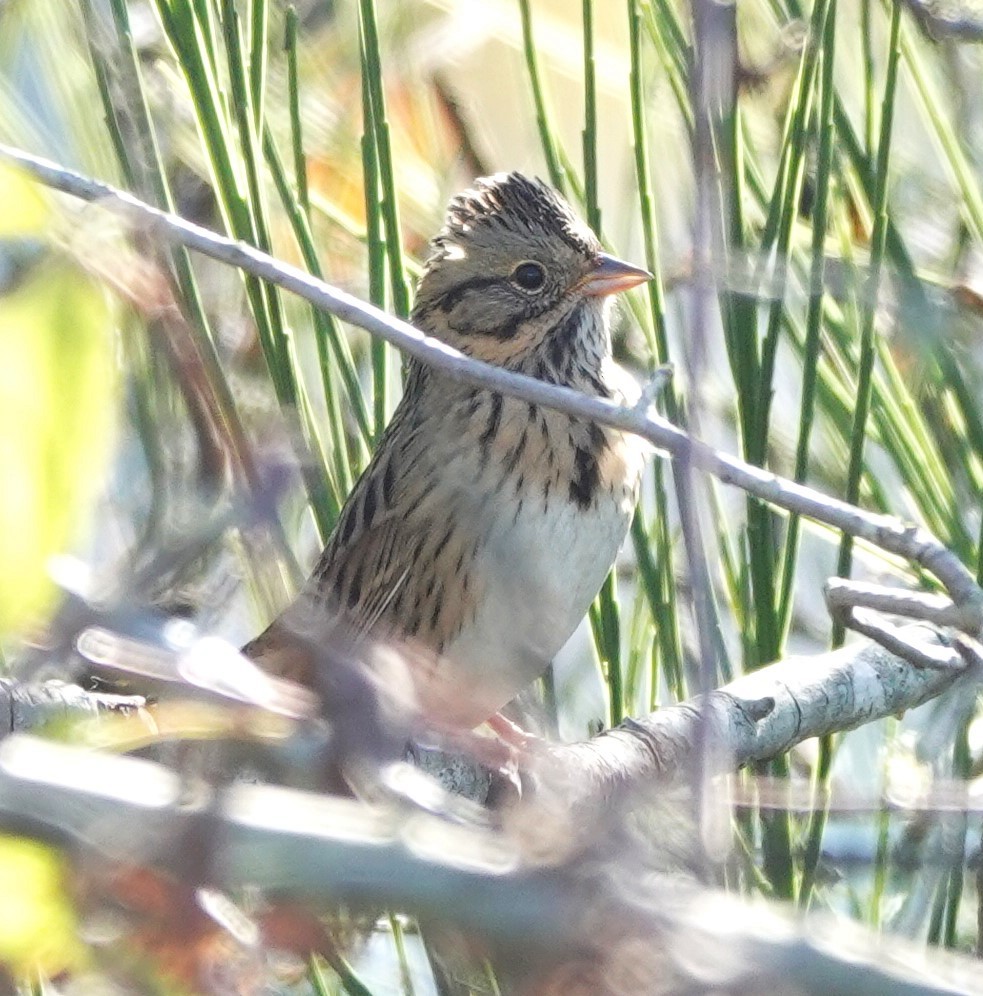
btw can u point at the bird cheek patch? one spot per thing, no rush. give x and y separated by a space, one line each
492 311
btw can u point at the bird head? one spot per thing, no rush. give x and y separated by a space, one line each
514 274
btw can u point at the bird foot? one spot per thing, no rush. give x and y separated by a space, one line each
515 737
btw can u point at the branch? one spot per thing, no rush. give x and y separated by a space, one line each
941 21
963 609
757 717
32 705
545 922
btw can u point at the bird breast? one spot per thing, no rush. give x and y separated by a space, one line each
551 503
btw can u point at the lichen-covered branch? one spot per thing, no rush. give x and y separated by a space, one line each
759 716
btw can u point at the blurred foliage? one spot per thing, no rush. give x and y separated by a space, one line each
57 398
38 928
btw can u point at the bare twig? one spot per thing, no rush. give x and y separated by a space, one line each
757 717
963 609
942 19
32 705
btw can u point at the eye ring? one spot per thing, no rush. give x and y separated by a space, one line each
529 275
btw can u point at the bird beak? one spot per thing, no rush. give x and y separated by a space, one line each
609 275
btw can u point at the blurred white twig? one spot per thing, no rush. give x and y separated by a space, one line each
947 19
669 936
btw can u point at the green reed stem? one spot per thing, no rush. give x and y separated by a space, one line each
656 333
205 11
776 837
189 32
156 176
817 283
605 615
399 943
375 248
867 345
962 769
818 817
657 577
780 223
590 121
293 101
254 204
867 48
372 69
662 24
322 496
557 172
605 621
101 70
334 359
881 862
323 500
350 982
258 44
961 168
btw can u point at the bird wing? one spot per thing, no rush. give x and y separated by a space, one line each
401 562
397 563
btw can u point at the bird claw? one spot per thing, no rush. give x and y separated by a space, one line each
521 742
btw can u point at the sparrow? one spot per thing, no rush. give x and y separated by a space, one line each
484 526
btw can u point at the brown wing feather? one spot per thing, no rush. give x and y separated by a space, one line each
397 565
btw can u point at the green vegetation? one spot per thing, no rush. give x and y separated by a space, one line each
814 289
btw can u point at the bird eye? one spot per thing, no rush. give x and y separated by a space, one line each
529 276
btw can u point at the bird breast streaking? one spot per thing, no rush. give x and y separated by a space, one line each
484 526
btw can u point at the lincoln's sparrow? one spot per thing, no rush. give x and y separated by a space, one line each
484 526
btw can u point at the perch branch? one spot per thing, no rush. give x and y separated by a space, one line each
758 716
754 718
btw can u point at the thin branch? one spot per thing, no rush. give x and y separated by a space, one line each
951 19
35 704
964 609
